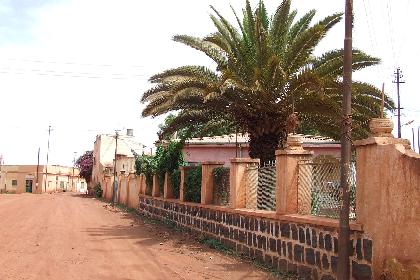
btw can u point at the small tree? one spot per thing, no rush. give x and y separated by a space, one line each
167 159
85 165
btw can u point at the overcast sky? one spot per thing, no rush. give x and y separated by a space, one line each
81 66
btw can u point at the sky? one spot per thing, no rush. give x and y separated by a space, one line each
82 66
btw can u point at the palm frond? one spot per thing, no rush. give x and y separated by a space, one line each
198 44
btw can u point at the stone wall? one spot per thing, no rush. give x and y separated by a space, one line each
309 249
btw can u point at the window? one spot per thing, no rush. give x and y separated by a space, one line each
62 184
14 182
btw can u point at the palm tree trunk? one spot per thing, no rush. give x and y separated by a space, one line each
264 142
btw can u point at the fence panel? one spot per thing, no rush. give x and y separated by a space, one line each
261 187
319 191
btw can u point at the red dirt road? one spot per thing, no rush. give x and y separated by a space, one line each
65 236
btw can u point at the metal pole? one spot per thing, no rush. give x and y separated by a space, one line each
418 139
399 103
414 143
343 266
236 143
72 179
398 81
114 193
37 173
46 167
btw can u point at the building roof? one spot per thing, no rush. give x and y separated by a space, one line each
126 146
244 139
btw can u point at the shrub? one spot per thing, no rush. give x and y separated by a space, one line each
193 184
221 186
167 159
175 182
161 182
97 190
85 165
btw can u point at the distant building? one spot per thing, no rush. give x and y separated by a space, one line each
225 147
104 153
25 178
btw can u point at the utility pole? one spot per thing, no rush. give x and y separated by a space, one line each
48 150
72 179
418 139
398 77
37 173
343 266
114 193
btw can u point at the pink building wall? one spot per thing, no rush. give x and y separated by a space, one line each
219 152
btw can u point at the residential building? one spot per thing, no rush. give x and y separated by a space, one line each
225 147
104 154
40 179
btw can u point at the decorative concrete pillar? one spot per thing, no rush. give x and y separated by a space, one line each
167 188
207 184
106 187
287 168
238 180
131 178
139 179
155 188
387 198
118 188
183 170
121 188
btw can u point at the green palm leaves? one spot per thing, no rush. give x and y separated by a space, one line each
266 68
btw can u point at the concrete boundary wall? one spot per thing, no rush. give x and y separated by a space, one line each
386 229
304 245
129 188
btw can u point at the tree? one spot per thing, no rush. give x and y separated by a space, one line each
85 165
267 76
168 158
210 128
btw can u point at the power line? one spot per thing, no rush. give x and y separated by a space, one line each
48 151
72 63
371 35
68 74
391 28
404 34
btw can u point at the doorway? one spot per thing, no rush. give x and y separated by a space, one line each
28 185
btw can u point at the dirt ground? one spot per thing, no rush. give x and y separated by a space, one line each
67 236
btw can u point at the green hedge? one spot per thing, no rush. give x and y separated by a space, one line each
149 183
97 190
161 182
221 191
175 182
193 184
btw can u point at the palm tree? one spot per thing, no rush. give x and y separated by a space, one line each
266 74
